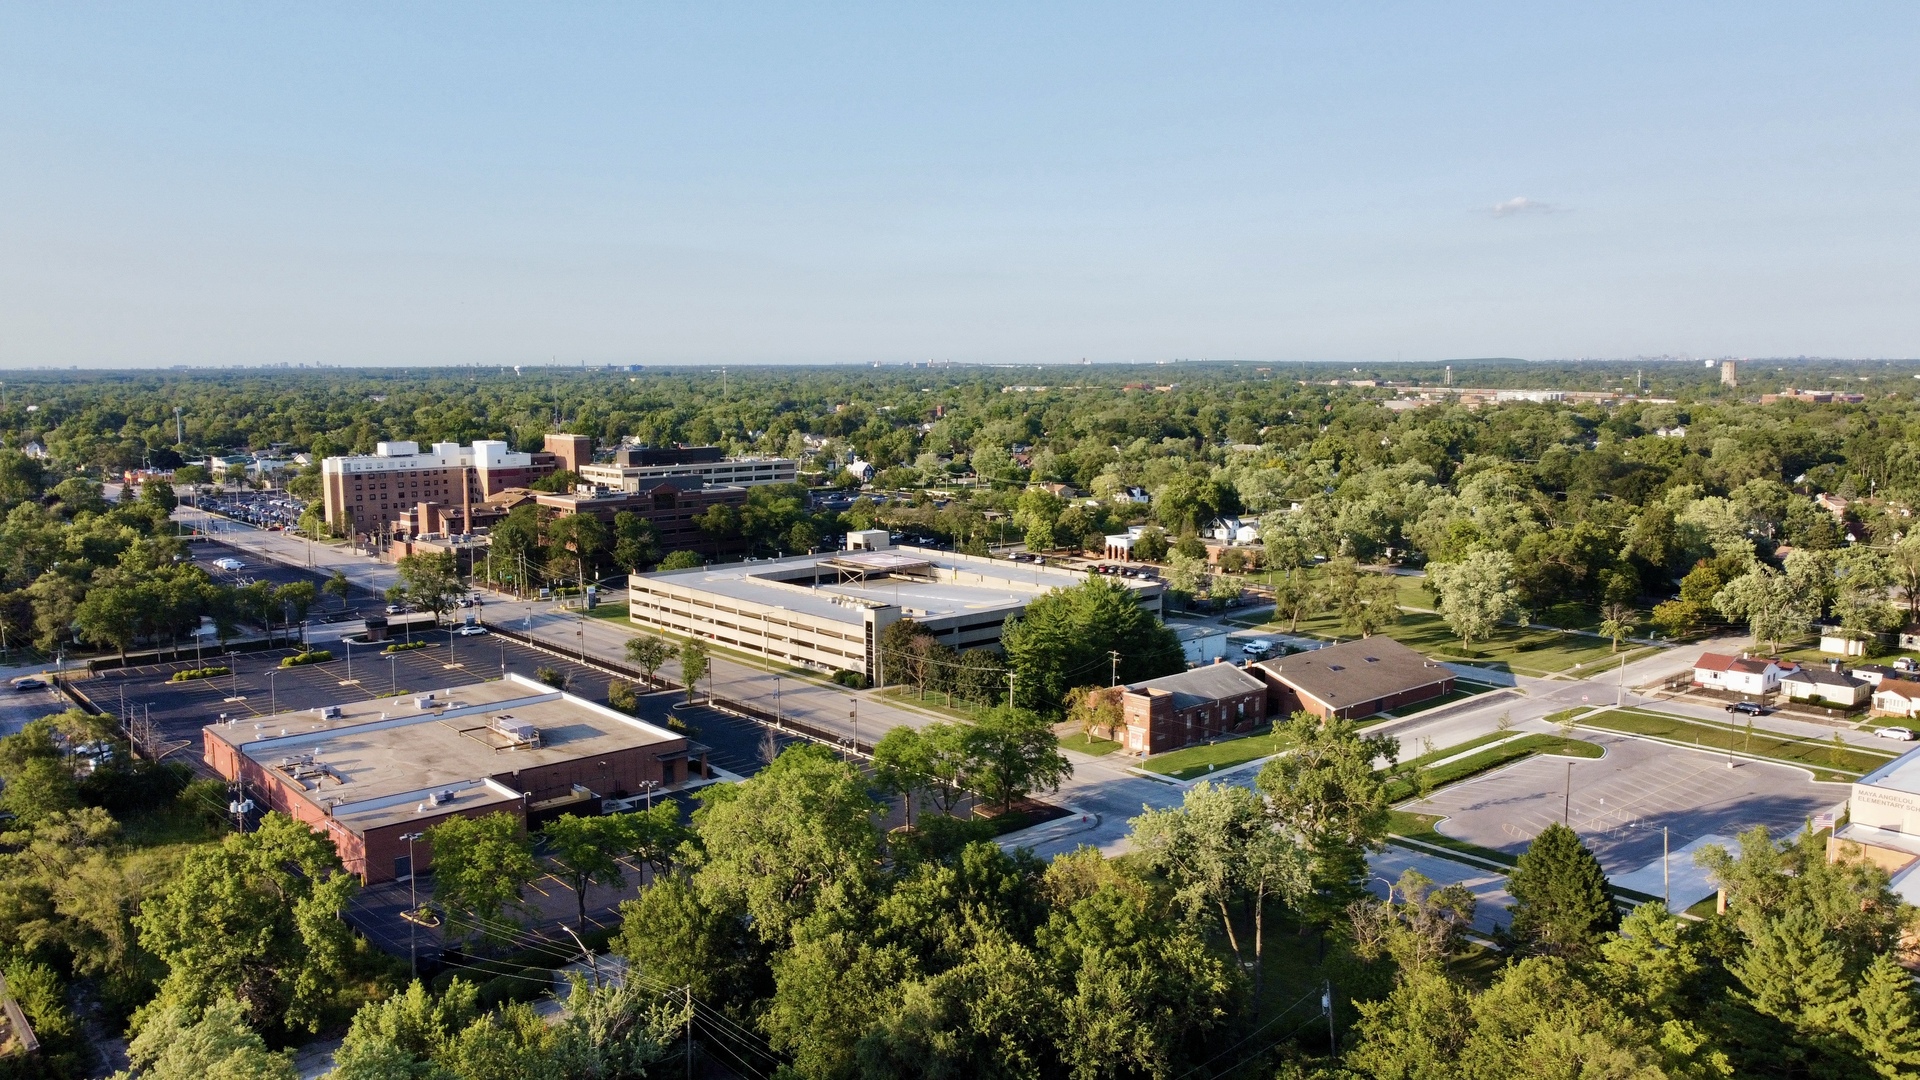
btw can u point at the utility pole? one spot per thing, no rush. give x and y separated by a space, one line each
1566 799
689 989
1114 679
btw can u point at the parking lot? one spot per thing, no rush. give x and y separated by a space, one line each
174 712
1619 803
205 553
266 509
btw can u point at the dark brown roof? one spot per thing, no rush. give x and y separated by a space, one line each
1356 672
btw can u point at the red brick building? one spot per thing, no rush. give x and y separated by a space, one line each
370 773
1176 710
1359 678
673 506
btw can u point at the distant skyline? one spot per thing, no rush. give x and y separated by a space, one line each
381 185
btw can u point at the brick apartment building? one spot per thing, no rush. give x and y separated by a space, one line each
1175 710
672 505
363 493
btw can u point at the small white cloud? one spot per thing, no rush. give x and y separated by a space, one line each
1520 204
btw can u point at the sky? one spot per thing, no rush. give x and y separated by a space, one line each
412 184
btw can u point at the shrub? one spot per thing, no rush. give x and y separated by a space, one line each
311 656
553 677
200 673
851 679
404 646
677 724
620 695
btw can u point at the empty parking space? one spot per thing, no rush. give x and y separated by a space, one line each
1619 803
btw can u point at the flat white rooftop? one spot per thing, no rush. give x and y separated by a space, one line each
1900 774
922 582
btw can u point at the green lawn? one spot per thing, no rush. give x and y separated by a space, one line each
1487 760
1440 752
1826 761
1087 744
1420 827
961 709
1197 761
1523 650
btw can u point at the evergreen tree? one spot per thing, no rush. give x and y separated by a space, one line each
1561 902
1884 1020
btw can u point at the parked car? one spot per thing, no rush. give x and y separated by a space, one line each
471 631
395 609
1900 733
29 682
1748 708
1257 647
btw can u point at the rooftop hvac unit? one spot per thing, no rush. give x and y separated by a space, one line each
330 712
520 731
424 701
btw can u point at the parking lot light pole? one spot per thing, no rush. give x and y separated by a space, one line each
273 693
393 675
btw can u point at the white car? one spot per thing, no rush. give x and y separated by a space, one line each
471 631
1259 647
1900 733
229 564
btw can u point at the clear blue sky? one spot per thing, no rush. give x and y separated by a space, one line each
413 183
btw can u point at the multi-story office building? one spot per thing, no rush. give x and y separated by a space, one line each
672 506
634 470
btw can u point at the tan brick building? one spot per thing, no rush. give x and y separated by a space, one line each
363 493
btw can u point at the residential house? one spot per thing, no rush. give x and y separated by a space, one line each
1825 685
1896 697
1233 530
1837 642
1872 674
1176 710
1359 678
1743 674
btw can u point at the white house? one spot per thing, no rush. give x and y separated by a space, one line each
1233 530
1896 697
1741 674
1202 644
1829 684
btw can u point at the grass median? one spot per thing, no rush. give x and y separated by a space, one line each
1493 757
1838 763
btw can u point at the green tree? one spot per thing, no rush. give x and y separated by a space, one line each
1328 797
338 587
680 938
1011 753
1884 1019
1773 607
681 560
795 838
648 653
903 765
1068 634
261 917
396 1039
693 664
1476 594
110 615
218 1045
636 544
1561 902
583 851
431 580
1219 850
481 865
1616 624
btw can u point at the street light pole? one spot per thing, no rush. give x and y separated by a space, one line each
413 905
273 693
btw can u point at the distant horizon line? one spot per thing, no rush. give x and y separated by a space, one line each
632 367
